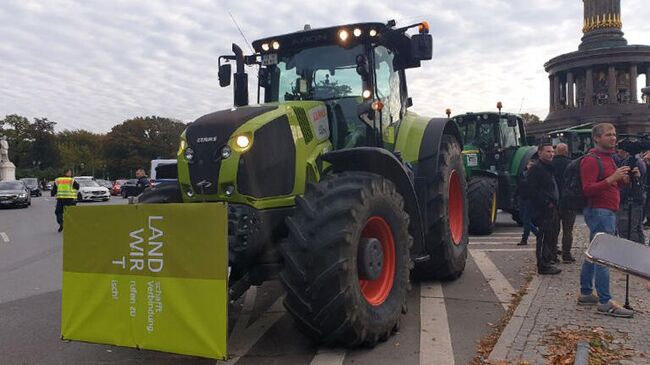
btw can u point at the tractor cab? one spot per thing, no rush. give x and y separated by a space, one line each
495 136
356 71
578 139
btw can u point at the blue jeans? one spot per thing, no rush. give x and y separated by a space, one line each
526 213
598 220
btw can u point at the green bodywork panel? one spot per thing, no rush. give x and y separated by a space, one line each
410 133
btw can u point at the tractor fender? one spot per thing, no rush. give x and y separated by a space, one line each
383 162
523 155
485 173
428 159
430 146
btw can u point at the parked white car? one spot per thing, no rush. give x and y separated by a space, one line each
89 190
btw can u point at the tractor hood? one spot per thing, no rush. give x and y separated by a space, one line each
214 129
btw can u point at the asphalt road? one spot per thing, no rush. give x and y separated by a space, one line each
443 324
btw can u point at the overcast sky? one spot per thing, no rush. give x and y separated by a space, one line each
93 64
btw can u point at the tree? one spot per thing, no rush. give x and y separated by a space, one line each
530 118
17 130
44 152
82 151
135 142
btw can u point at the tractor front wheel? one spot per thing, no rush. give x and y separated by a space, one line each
346 261
482 193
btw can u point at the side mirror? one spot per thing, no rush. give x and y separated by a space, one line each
512 121
421 47
225 71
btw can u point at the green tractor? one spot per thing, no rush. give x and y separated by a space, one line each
332 183
577 138
496 153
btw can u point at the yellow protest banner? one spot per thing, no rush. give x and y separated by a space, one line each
149 276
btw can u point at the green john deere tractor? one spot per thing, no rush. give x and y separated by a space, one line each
331 182
577 138
495 154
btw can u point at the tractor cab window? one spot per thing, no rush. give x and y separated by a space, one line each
510 136
327 74
387 85
479 132
320 73
485 136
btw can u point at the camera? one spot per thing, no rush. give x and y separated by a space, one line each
635 144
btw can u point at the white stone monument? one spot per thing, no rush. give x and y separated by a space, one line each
7 168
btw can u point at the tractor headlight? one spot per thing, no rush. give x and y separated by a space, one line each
22 196
243 142
343 35
265 47
189 154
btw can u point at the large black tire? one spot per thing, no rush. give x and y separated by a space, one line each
321 273
447 237
482 193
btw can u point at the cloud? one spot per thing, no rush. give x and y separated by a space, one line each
93 64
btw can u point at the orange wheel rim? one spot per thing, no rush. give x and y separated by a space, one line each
376 291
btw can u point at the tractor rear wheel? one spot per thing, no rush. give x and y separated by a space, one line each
482 192
346 261
447 238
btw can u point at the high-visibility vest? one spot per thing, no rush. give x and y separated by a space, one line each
64 188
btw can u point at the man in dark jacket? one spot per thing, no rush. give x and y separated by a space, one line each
629 218
545 202
567 216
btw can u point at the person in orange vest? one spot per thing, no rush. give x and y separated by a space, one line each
65 190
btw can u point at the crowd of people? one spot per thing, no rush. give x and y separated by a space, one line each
614 186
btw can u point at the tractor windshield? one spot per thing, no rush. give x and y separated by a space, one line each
479 133
488 132
320 73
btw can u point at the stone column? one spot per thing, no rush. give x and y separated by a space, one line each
556 91
633 87
589 87
569 85
611 85
551 102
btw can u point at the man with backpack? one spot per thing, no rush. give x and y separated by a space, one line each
567 215
600 179
545 199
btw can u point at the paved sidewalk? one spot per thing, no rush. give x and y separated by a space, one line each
551 304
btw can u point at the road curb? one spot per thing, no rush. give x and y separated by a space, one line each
507 338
